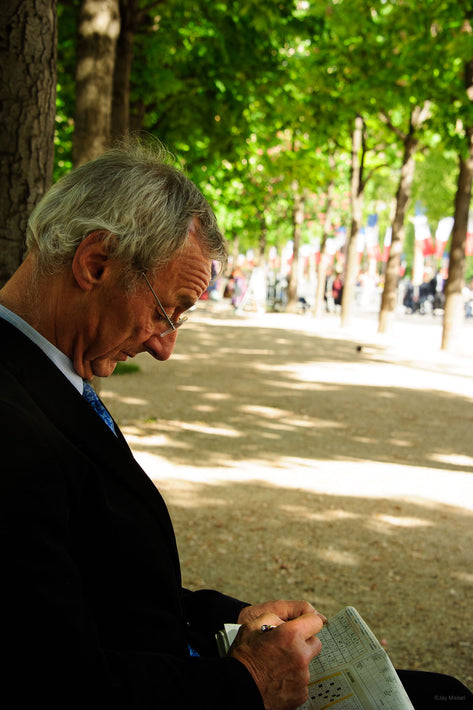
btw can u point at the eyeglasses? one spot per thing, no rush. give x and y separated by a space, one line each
172 326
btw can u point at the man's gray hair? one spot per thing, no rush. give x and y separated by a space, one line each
142 203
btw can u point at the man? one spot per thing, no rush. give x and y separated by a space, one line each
93 611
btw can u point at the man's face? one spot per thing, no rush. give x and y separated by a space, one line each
122 324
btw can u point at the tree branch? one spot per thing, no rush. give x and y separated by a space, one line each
384 118
371 172
420 114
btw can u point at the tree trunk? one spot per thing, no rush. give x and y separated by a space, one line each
419 115
133 20
356 201
454 308
454 313
130 17
389 298
297 220
99 26
322 265
28 38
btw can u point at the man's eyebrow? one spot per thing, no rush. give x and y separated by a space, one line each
185 302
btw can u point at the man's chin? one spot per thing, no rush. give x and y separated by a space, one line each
103 368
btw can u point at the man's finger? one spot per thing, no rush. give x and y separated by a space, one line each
307 625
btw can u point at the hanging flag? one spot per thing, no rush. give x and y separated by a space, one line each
442 234
360 244
360 241
340 236
372 237
423 236
273 257
387 243
330 250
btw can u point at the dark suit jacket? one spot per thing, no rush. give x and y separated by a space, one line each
93 612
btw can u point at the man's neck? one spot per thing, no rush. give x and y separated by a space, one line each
32 298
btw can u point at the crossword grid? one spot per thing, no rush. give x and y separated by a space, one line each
328 692
336 652
353 671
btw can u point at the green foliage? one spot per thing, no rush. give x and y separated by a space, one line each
197 71
435 183
469 269
126 368
62 137
67 19
256 95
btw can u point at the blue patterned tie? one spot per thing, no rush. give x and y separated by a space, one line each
91 397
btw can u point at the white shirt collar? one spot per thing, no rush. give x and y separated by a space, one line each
58 358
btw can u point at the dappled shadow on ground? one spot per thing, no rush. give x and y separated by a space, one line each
232 393
273 403
405 566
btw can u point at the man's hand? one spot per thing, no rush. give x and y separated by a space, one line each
284 609
279 659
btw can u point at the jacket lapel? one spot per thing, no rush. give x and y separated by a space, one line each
75 418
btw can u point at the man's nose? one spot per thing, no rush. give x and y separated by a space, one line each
161 348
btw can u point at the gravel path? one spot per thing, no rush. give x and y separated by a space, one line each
296 464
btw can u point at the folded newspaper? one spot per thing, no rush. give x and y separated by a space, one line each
352 671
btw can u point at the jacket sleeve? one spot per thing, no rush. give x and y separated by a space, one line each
206 612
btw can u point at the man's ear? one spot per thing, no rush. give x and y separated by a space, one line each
91 261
